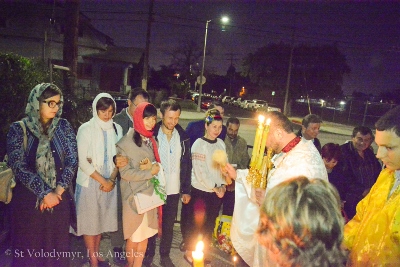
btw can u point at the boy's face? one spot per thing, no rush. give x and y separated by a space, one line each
388 149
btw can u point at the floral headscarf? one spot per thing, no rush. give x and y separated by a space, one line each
45 165
139 127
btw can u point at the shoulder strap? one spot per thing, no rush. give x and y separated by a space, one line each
115 128
25 137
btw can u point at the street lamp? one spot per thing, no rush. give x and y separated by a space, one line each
223 20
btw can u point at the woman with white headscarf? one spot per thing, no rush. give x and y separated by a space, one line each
43 169
95 197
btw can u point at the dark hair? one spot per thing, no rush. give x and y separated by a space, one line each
232 120
310 118
50 91
104 103
390 121
169 104
364 130
149 111
331 151
279 120
138 91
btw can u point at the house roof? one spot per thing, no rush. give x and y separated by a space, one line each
120 54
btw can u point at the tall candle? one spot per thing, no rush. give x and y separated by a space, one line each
198 255
262 145
257 141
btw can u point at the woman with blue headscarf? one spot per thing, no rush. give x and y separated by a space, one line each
44 169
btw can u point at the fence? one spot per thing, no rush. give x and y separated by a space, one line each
350 112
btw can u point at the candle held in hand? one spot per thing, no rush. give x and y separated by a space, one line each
263 143
198 255
257 141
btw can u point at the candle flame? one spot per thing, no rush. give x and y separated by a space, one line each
200 246
261 118
268 121
234 258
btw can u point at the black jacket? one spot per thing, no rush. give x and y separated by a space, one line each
186 160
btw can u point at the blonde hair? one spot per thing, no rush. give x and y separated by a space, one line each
301 224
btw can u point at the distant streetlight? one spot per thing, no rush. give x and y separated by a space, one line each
223 20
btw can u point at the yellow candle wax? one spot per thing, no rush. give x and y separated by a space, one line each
257 140
198 255
262 145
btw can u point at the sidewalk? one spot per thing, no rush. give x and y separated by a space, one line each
79 258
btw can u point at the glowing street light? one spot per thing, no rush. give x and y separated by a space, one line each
223 20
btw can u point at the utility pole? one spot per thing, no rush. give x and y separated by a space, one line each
285 108
147 51
70 51
231 71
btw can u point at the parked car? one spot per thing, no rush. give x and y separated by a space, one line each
121 103
255 104
232 100
206 101
272 107
269 107
237 102
244 104
226 99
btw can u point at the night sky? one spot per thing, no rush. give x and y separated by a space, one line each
368 33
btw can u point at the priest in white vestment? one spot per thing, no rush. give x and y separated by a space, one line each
294 156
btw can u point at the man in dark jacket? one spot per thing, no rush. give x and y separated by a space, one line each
359 166
125 117
310 129
174 151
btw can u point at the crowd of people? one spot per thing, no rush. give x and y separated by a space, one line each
330 205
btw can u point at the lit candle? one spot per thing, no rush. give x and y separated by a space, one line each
198 255
257 141
262 145
234 261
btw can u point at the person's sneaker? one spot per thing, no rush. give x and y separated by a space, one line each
166 262
119 256
148 261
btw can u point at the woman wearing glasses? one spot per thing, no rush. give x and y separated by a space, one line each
44 169
95 197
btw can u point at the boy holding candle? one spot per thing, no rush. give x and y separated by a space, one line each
293 157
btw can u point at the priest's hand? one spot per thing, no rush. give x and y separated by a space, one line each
229 171
260 195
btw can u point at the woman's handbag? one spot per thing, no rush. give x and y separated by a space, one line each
7 179
148 199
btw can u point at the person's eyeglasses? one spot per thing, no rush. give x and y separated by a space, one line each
53 104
